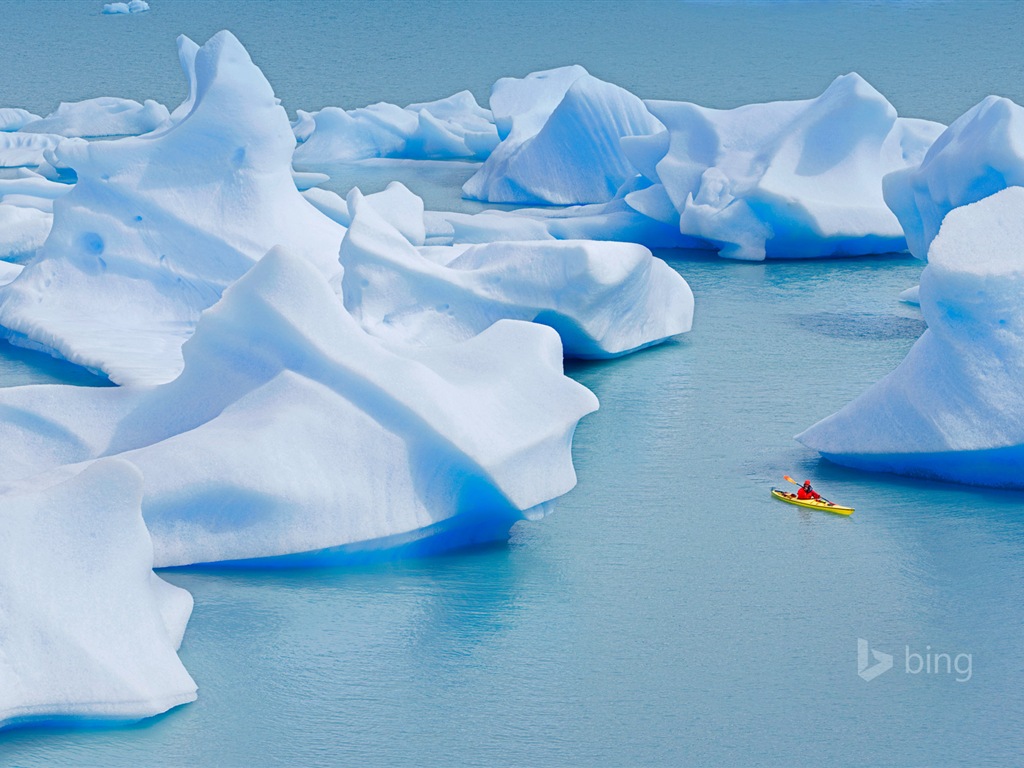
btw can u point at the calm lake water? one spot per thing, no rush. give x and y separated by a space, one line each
669 612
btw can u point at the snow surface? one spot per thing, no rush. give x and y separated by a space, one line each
103 116
604 299
89 631
981 153
455 127
952 409
319 436
158 225
560 139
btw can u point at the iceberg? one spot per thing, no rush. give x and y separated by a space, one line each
604 299
11 118
158 225
89 632
133 6
788 179
317 440
952 410
981 153
23 230
99 117
25 149
451 128
9 271
561 132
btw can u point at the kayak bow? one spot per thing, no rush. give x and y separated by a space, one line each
790 498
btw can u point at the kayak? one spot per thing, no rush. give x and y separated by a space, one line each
824 506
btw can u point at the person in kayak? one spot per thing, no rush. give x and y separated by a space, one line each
806 492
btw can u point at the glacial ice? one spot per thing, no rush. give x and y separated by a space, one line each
12 118
23 230
102 116
787 179
952 409
25 149
133 6
604 299
455 127
89 631
132 260
9 271
560 139
317 435
981 153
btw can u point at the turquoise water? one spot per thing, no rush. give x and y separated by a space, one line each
669 612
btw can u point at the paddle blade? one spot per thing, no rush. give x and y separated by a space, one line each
789 479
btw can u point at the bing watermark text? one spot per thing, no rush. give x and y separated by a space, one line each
872 662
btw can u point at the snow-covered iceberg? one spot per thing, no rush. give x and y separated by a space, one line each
954 408
604 299
102 116
292 431
158 225
455 127
561 132
89 632
788 179
981 153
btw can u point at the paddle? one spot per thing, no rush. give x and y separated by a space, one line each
789 479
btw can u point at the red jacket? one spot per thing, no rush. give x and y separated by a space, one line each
807 493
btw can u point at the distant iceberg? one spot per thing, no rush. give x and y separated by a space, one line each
90 633
981 153
787 179
561 132
103 116
18 150
133 6
451 128
11 119
318 436
953 409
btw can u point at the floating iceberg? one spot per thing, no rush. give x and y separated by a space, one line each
25 149
316 435
103 116
23 230
604 299
158 225
455 127
11 118
981 153
788 179
89 631
560 134
133 6
953 408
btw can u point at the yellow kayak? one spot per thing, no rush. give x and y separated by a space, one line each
824 506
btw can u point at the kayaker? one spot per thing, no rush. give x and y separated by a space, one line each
806 492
